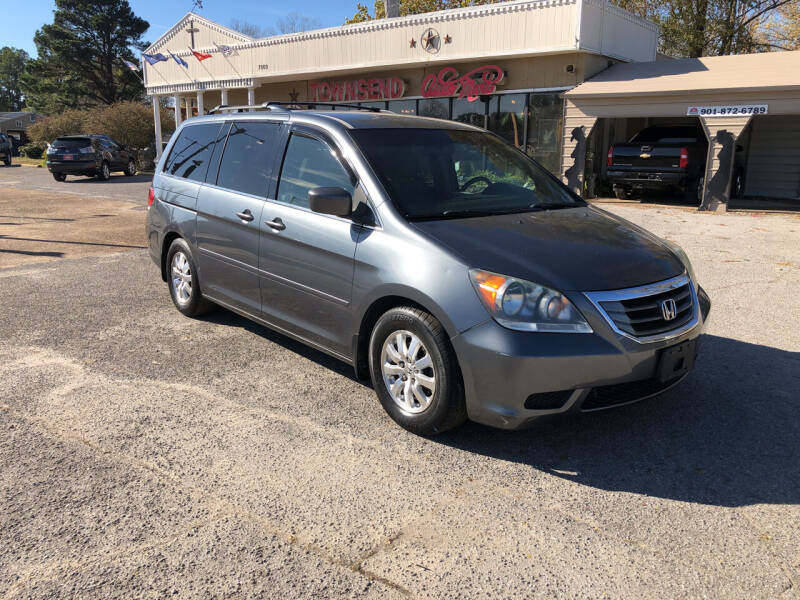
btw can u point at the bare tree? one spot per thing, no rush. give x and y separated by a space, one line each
294 22
251 29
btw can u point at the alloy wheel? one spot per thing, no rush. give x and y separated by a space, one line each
408 372
181 278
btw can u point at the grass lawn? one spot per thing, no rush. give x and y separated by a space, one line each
24 160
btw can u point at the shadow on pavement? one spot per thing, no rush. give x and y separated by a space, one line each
32 253
115 178
223 316
729 435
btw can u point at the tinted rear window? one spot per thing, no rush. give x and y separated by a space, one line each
71 143
247 160
668 135
191 152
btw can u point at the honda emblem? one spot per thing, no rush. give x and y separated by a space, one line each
668 309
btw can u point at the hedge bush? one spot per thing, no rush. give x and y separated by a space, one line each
33 150
129 123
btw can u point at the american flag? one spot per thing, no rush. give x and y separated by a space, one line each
226 50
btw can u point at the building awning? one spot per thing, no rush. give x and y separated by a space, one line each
774 71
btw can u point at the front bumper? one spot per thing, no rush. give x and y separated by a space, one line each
503 370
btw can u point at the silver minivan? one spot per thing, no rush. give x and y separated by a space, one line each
441 262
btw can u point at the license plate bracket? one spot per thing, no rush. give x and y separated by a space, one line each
676 361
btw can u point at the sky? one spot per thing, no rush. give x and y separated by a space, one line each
18 26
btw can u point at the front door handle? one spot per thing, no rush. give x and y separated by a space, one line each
245 215
277 224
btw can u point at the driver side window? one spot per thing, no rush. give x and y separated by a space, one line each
309 163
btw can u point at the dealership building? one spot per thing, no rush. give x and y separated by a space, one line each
561 79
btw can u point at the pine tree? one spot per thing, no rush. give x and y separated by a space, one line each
81 53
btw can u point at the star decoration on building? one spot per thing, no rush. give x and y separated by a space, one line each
294 95
430 39
412 44
447 39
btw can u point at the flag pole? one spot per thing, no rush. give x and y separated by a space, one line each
137 75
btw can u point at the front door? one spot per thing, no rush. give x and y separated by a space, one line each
307 258
229 214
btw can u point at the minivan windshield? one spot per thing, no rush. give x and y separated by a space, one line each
452 173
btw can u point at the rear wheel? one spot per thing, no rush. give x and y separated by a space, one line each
415 372
130 170
105 171
7 160
60 176
184 288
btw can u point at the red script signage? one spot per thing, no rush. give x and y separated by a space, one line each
448 82
386 88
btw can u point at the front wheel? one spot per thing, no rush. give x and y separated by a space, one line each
184 287
415 373
130 170
60 176
7 160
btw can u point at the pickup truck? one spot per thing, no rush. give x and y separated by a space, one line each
660 158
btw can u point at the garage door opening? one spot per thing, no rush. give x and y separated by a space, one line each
649 159
767 164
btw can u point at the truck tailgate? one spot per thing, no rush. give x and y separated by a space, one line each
646 157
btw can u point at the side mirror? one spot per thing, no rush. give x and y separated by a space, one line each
330 201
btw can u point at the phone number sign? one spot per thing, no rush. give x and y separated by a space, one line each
729 110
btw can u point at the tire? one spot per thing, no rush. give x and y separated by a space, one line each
105 171
698 189
434 361
130 170
621 193
7 160
737 188
60 176
181 269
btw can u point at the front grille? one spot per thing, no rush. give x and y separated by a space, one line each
642 316
607 396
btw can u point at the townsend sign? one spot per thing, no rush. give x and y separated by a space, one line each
447 82
386 88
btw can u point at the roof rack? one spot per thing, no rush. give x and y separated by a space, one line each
286 106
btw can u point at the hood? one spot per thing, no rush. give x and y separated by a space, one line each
574 249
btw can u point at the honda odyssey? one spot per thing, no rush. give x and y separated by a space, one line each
441 262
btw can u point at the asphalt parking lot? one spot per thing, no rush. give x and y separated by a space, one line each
144 454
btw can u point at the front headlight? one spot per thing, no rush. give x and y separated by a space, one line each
684 258
525 306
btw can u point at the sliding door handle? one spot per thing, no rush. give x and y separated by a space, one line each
277 224
245 215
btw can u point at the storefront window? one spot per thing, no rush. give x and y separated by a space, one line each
472 112
508 119
438 108
404 107
545 128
